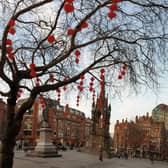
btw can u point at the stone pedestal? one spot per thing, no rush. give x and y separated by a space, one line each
44 147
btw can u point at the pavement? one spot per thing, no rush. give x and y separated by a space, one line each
73 159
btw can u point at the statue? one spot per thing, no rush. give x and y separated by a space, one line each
45 114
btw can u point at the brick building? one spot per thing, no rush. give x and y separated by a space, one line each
140 137
69 126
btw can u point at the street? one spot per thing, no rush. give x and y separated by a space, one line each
73 159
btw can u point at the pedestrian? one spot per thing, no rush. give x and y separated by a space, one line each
101 155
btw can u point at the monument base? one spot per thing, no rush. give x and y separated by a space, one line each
44 147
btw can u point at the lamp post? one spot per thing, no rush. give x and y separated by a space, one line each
102 138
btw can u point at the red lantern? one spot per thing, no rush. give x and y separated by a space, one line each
9 49
90 89
11 56
69 1
51 77
8 42
51 39
81 89
68 7
81 83
102 70
11 23
64 88
119 77
32 66
123 73
58 90
76 60
77 53
92 79
82 77
91 83
12 31
111 15
70 32
124 67
116 1
20 91
84 25
113 7
33 74
102 77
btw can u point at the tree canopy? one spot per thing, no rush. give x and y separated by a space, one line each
48 44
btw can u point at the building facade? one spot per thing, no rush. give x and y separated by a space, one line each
160 113
69 126
143 137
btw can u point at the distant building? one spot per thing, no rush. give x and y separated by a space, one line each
69 126
140 138
99 139
160 113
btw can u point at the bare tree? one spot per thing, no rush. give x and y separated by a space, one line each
49 44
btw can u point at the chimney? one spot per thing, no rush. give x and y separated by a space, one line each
136 119
147 114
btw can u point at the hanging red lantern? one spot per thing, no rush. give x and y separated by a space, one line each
51 76
113 7
111 15
58 90
51 39
33 74
64 88
123 73
102 70
8 42
124 67
12 31
116 1
82 77
32 66
11 56
81 89
102 77
68 7
81 83
84 25
69 1
91 84
70 32
11 23
77 53
76 60
102 83
92 79
20 90
119 77
9 49
90 89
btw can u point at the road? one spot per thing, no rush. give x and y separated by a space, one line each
73 159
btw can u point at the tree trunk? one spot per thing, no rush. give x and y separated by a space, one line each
11 128
7 152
